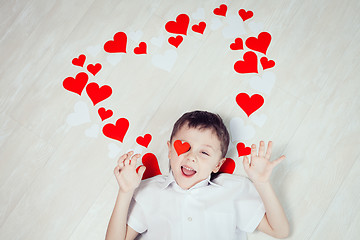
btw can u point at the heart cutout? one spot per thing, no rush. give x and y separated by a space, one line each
79 61
104 114
245 15
228 166
175 41
179 26
118 130
265 63
248 65
199 28
249 104
141 49
242 150
118 44
237 45
144 141
96 93
150 161
221 11
181 147
77 84
260 44
94 69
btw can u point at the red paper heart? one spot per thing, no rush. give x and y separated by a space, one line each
175 41
228 166
94 69
104 114
150 161
221 11
242 150
265 63
249 104
118 44
181 147
237 45
79 61
144 141
179 26
141 49
245 15
249 65
97 94
118 130
76 85
260 44
199 28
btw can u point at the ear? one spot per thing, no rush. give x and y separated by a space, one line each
218 166
169 148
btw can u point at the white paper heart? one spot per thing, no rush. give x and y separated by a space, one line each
199 14
259 119
135 36
114 59
158 41
80 114
165 61
256 27
93 50
235 27
239 131
215 24
93 131
264 83
114 150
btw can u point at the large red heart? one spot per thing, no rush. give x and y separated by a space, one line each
175 41
249 65
179 26
97 94
237 45
94 69
242 150
79 61
141 49
144 141
118 44
181 147
76 85
104 114
199 28
118 130
150 161
228 166
260 44
265 63
249 104
245 15
221 11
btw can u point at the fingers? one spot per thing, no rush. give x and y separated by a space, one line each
279 160
268 151
246 163
261 149
140 170
253 151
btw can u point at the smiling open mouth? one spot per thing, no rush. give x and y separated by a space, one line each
188 172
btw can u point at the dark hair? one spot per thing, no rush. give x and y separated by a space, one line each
204 120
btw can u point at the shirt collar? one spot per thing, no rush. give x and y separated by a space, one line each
170 179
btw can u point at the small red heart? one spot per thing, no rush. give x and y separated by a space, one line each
79 61
242 150
97 94
76 85
249 65
141 49
118 130
175 41
181 147
260 44
150 161
179 26
104 114
144 141
221 11
237 45
265 63
199 28
249 104
118 44
245 15
94 69
228 166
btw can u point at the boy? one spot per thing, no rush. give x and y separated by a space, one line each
187 204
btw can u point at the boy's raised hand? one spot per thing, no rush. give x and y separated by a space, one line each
260 167
125 172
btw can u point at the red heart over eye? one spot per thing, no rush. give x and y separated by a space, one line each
150 161
228 166
242 150
249 104
180 147
144 141
118 130
179 26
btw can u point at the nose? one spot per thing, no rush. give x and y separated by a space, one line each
191 156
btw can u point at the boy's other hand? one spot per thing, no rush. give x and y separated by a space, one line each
260 167
125 172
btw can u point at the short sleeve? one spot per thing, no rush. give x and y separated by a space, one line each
136 218
249 207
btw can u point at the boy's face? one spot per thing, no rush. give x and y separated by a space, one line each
203 157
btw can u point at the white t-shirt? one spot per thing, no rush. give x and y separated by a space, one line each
225 208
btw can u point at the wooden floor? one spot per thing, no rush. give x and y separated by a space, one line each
56 165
